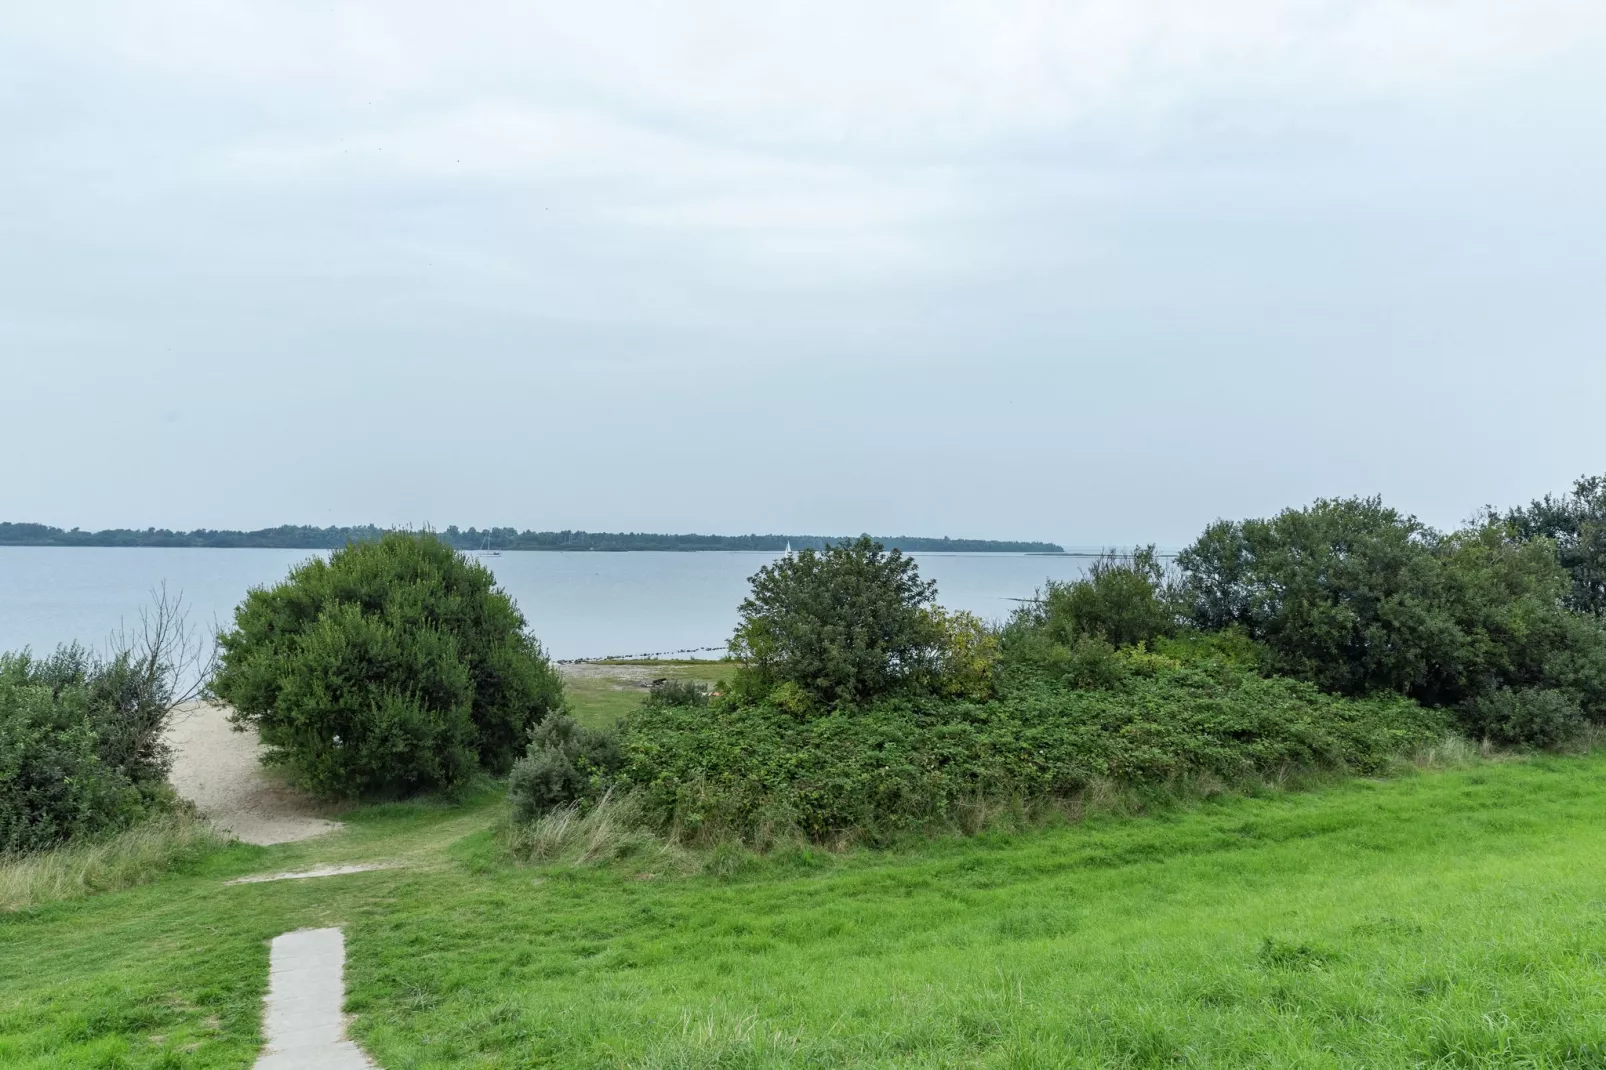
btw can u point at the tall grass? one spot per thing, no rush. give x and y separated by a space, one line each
617 829
135 856
613 829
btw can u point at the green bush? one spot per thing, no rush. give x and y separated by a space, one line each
565 763
81 747
394 666
966 654
755 770
677 693
1124 600
1530 717
1088 662
844 624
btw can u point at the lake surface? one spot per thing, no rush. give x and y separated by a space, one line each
579 604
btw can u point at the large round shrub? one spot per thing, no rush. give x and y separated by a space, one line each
396 665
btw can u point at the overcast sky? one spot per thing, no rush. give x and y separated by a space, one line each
1088 272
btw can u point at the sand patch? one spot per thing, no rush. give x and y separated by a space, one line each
220 771
306 874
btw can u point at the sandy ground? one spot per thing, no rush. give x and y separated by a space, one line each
220 771
309 874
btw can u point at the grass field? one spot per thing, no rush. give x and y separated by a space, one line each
1451 919
602 692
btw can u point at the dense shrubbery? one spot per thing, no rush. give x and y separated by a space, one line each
1044 710
1576 524
1359 599
1071 632
1531 717
81 738
394 666
756 770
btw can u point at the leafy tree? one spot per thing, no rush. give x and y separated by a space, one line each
395 665
1576 524
843 624
1359 598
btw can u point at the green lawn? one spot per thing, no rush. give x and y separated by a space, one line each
1445 919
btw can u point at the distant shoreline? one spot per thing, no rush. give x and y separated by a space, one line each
292 537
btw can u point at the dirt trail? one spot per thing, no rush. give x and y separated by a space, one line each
220 771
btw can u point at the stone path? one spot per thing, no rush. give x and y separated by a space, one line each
302 1018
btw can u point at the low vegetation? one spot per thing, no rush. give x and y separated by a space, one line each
762 771
1448 919
601 694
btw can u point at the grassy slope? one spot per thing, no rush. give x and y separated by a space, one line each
1453 919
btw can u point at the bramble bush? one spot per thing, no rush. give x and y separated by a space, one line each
1097 681
1332 638
394 666
754 770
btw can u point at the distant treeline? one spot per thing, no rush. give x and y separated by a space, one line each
302 537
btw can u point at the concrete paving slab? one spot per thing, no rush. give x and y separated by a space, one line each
301 1016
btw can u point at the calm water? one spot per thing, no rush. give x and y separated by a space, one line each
579 604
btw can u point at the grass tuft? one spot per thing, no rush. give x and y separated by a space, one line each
136 856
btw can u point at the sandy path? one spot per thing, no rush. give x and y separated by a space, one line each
220 771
